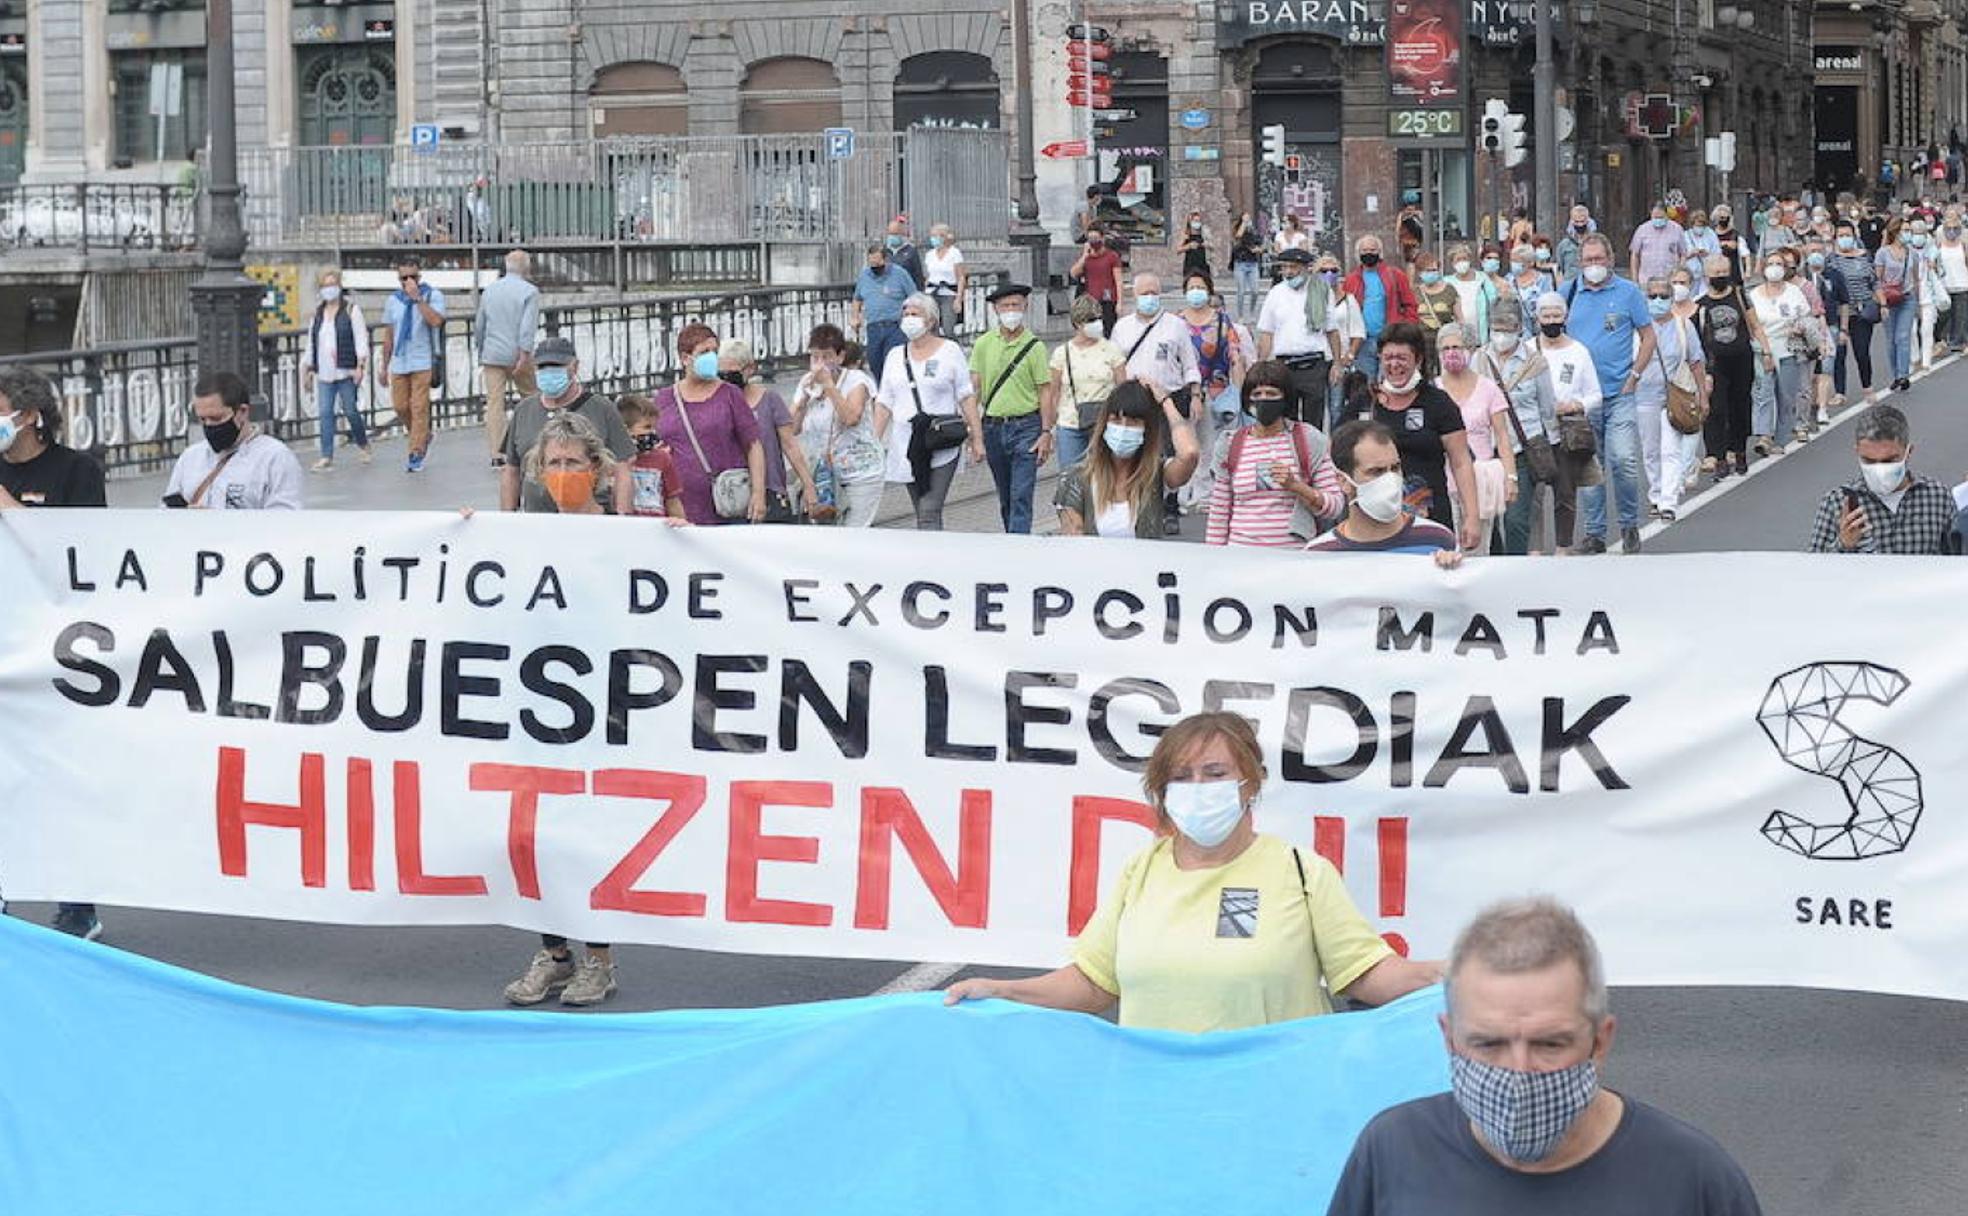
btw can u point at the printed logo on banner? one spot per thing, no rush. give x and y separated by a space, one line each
1236 912
1882 788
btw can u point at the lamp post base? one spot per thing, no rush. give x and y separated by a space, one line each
225 305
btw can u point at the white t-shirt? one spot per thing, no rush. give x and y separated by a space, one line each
1573 376
1781 317
1343 314
1294 240
1466 295
940 268
1115 521
943 381
1954 267
264 475
813 414
1168 356
1283 317
325 368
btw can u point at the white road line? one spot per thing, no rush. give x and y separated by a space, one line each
1717 491
920 978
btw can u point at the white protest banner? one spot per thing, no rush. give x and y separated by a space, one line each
1742 769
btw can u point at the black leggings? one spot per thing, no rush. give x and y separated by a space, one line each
556 943
1727 431
1858 336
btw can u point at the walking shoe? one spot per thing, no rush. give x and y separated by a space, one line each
77 922
324 465
1760 445
544 976
365 454
1171 526
1708 464
1742 464
415 464
1824 417
592 984
1591 546
1629 541
1667 515
1653 510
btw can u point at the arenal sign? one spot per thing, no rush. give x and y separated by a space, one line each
1361 22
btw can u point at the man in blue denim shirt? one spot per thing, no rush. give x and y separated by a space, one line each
1607 312
878 298
413 325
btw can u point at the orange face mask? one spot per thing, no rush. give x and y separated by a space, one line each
570 490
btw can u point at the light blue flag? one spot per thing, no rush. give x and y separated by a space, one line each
130 1088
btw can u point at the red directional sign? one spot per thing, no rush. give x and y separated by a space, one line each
1065 149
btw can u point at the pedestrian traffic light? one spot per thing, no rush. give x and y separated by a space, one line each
1494 111
1274 145
1514 152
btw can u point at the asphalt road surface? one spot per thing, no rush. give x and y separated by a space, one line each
1834 1102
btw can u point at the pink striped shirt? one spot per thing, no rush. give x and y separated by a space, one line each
1241 513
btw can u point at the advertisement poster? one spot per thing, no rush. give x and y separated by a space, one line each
1424 53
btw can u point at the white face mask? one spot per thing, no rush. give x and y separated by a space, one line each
1095 330
914 327
1204 811
1773 274
1012 320
1405 387
1382 498
1883 479
1680 293
1462 266
1505 341
330 294
1597 274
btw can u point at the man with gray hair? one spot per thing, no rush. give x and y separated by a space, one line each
1526 1129
508 318
1887 508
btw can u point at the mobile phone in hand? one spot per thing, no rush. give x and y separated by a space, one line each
176 502
1851 501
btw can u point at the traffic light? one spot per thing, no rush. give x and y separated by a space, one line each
1274 145
1514 152
1495 110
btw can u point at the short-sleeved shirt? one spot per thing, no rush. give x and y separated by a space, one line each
854 448
992 355
882 295
1417 536
58 477
415 353
530 418
1659 249
772 414
1724 325
1605 319
1160 348
264 475
1418 434
654 478
1101 270
940 265
942 382
1237 945
725 428
1283 317
1086 374
1421 1159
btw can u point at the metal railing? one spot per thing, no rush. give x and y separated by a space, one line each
99 216
129 404
681 189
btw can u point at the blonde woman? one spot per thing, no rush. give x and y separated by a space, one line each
1085 368
336 363
1117 490
945 276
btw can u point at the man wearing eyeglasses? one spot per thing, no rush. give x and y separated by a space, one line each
413 328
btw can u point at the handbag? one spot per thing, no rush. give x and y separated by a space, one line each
942 430
1575 435
1686 412
731 490
1537 449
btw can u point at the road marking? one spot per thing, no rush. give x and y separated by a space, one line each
1718 490
920 978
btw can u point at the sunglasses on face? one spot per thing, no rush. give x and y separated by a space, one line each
1655 295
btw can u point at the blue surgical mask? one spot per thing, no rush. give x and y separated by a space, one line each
1123 441
1917 239
1657 306
1148 306
893 241
1492 265
1847 244
1204 811
1295 281
9 430
1816 261
1195 297
1431 277
1660 221
553 381
936 242
705 366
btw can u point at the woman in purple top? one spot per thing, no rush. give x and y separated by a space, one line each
710 428
778 437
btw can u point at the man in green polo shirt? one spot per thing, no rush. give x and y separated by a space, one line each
1012 379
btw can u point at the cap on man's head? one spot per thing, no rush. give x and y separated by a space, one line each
554 352
1008 291
1295 255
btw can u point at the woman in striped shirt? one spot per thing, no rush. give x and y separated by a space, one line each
1854 308
1269 470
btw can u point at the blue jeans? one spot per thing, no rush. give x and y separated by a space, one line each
1014 466
1367 362
1247 291
331 397
1617 425
1072 442
1774 405
883 336
1899 338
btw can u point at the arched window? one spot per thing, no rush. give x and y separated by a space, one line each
946 89
639 99
788 96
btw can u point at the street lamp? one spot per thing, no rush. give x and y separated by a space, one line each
224 302
1026 229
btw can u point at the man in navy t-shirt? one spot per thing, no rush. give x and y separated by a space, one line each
1607 313
1379 521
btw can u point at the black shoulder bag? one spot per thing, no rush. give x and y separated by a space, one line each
940 431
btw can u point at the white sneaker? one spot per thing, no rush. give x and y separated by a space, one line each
323 465
1824 418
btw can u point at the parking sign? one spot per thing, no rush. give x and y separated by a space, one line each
424 136
840 142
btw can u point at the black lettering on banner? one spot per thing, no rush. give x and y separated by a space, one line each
704 589
1112 632
75 579
1392 636
228 707
258 583
162 668
796 598
131 571
623 700
207 566
309 593
648 592
912 612
413 689
936 722
547 589
1598 635
108 683
297 673
403 566
1283 622
1298 716
1401 739
534 677
860 607
1480 634
1559 739
454 686
989 606
1857 913
710 697
1018 714
1498 752
1101 729
1537 617
847 728
1802 715
1049 604
472 595
1171 608
1215 632
1218 694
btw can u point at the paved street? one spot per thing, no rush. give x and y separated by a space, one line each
1834 1102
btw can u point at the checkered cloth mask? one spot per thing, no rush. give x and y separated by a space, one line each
1523 1115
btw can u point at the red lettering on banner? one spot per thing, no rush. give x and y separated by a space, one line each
410 876
525 783
1090 814
310 818
750 846
685 796
1329 840
361 824
965 897
1394 867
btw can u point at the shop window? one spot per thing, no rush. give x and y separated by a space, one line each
159 98
1134 150
1438 182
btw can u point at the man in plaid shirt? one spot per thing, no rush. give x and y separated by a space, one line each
1886 509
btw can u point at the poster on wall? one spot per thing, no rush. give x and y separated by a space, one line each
1424 53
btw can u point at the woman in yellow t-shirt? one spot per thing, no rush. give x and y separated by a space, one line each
1214 927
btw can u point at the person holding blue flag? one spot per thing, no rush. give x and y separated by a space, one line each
413 333
1215 926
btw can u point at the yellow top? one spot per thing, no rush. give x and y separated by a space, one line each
1237 945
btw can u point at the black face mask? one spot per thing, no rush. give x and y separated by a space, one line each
1551 329
646 443
1369 259
1268 411
735 379
221 435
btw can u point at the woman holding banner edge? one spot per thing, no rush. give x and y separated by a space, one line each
1214 926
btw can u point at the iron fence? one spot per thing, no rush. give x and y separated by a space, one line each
628 189
99 216
129 404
